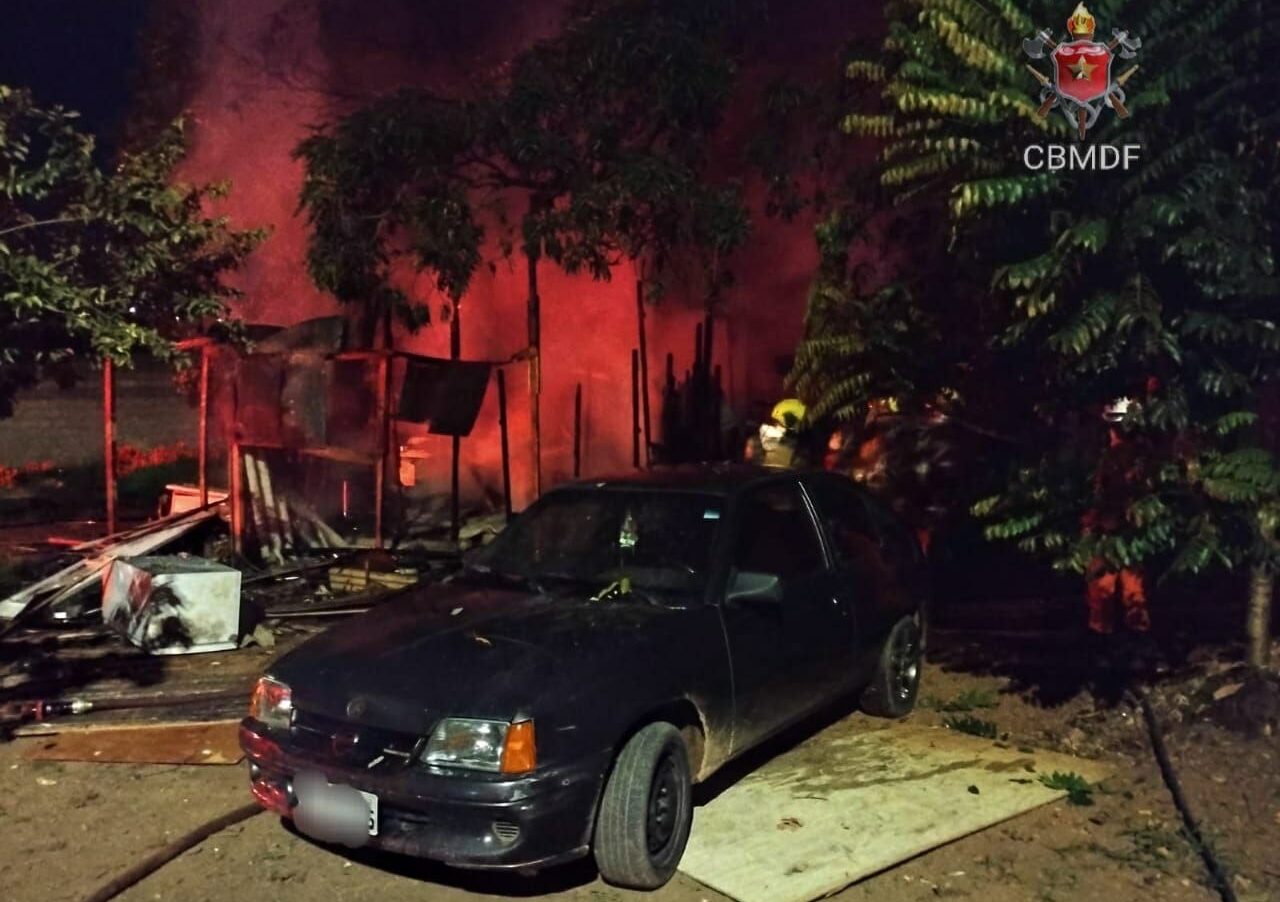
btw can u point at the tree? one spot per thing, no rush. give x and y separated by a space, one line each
100 265
598 138
1157 282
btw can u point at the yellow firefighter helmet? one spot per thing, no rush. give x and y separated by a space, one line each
788 412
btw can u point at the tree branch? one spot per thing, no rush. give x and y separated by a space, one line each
43 222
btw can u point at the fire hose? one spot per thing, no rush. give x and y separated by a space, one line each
1217 872
156 860
41 710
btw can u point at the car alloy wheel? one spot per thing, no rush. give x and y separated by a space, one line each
906 664
893 688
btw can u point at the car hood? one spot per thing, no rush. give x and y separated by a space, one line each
462 650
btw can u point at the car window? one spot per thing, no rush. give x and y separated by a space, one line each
657 540
855 541
568 532
776 534
900 546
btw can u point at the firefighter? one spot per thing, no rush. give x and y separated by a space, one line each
1110 591
907 458
778 440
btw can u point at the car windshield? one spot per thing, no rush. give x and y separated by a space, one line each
654 542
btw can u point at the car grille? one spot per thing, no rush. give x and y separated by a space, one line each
330 739
506 831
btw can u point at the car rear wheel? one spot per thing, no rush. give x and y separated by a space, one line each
646 810
892 692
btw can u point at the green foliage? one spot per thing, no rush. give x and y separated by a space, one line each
1079 790
860 347
597 138
974 726
100 265
1158 282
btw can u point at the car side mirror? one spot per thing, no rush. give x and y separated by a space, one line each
749 586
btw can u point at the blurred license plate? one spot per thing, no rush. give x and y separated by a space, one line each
371 801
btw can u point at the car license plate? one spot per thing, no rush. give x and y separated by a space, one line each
371 801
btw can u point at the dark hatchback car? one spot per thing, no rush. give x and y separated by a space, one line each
621 640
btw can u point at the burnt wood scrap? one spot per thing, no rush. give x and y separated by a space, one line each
282 523
192 743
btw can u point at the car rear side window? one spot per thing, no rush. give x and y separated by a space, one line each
900 545
776 534
855 541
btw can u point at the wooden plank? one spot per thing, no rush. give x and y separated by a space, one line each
854 800
203 434
208 742
109 440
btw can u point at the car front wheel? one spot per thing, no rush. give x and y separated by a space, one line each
892 692
646 810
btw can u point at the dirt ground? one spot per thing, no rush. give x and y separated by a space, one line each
69 827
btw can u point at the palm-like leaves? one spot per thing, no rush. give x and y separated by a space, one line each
1098 281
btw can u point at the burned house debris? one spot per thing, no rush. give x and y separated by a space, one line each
309 524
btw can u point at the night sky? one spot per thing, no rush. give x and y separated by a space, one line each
77 53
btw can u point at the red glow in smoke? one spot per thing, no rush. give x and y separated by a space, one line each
271 68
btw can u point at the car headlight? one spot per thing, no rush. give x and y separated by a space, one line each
491 745
272 703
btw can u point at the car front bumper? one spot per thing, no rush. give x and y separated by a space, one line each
531 821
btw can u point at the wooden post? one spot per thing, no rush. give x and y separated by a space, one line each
230 412
204 426
532 252
109 439
635 408
455 352
383 418
671 415
502 433
709 426
577 431
717 405
644 373
693 385
236 487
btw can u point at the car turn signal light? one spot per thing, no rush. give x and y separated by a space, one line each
519 752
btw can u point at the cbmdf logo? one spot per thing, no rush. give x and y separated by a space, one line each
1082 83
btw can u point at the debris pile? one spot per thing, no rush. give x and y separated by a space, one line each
169 623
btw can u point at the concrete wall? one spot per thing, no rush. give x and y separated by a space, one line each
64 426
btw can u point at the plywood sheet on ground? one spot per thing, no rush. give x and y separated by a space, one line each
854 800
211 742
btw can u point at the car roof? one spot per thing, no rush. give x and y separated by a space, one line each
714 479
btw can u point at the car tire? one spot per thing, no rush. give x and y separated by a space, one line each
893 689
646 810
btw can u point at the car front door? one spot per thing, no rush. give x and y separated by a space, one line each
788 647
865 577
